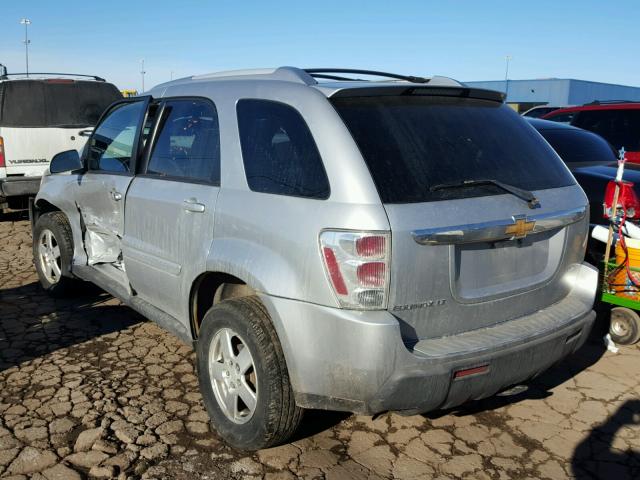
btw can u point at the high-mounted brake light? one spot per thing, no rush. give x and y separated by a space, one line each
2 159
357 264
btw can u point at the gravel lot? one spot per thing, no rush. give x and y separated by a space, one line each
88 388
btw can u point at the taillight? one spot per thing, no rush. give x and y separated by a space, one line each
2 161
357 264
627 199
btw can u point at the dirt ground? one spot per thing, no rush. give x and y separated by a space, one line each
89 389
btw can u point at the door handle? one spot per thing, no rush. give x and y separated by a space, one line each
117 196
192 205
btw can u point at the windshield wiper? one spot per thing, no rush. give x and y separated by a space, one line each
525 195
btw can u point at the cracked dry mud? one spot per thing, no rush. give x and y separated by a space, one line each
89 389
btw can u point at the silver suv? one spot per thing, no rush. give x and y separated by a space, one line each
327 242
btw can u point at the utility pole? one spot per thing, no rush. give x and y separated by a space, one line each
171 74
142 72
26 22
506 77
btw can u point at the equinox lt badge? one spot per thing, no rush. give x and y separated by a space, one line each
429 303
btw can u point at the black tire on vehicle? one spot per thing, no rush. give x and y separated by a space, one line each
275 416
625 326
53 253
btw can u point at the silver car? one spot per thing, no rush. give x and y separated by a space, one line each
327 242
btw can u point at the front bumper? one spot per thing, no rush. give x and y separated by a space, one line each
19 186
356 361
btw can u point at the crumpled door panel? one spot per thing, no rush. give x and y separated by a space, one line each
102 244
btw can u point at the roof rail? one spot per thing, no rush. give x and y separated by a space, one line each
327 74
5 76
290 74
609 102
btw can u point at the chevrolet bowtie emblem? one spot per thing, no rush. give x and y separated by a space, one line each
520 228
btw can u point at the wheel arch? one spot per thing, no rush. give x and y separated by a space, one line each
210 288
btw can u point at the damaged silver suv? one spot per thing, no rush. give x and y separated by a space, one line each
400 244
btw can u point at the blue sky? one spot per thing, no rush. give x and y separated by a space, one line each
587 39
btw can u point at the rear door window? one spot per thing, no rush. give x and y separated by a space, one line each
55 102
412 143
619 127
188 145
279 153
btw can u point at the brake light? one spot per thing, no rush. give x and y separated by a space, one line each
627 199
334 271
2 160
357 264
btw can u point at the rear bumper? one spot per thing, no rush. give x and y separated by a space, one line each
19 186
356 361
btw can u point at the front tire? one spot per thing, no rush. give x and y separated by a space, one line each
243 376
53 253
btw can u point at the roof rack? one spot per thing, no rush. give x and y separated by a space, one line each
5 76
326 73
609 102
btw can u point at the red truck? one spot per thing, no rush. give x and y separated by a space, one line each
618 122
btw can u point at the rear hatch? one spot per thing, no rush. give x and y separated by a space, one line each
39 118
466 256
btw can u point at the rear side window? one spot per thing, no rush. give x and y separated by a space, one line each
188 146
413 143
278 151
621 128
579 148
54 103
111 145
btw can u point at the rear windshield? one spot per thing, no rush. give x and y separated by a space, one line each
38 103
579 148
621 128
413 143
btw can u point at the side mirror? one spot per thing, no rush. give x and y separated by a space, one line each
66 162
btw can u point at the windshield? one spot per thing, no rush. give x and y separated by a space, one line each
411 143
54 103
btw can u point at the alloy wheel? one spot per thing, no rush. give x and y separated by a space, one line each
233 375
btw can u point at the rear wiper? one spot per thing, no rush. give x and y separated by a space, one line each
525 195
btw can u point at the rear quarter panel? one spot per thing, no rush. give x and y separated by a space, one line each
271 241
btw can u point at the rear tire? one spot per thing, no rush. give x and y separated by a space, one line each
270 415
625 326
53 253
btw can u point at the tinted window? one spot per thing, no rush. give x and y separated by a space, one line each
562 117
54 103
413 143
278 150
188 145
111 145
579 148
621 128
